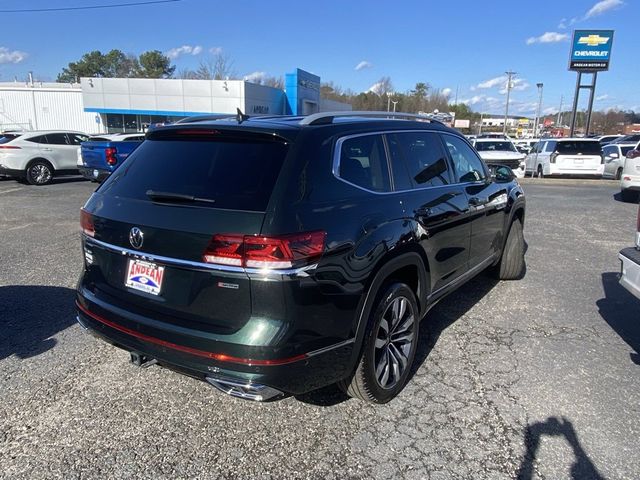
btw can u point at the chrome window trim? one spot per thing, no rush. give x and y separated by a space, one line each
335 168
259 272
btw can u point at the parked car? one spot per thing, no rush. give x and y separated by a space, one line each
632 138
501 152
101 155
281 255
630 268
630 176
38 156
606 139
614 156
566 156
526 145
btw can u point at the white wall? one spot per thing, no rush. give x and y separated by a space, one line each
45 108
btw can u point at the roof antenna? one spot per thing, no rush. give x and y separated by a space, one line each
241 117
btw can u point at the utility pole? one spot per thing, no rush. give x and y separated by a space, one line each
455 102
559 118
536 127
506 110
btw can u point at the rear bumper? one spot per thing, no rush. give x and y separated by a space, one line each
630 182
630 270
558 170
291 374
11 172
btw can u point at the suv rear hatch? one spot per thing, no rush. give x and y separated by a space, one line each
150 224
578 155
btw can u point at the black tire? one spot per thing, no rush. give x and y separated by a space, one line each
511 265
39 172
629 195
540 172
396 310
619 174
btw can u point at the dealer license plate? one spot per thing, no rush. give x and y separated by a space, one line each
144 276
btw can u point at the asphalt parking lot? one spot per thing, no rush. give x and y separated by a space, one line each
537 378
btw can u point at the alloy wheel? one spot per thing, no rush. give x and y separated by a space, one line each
394 341
40 173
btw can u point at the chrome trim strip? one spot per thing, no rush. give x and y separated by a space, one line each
330 347
300 271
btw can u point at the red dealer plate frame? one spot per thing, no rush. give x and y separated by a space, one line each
144 276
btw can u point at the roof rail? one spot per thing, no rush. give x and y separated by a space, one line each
324 118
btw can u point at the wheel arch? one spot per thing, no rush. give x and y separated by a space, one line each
42 159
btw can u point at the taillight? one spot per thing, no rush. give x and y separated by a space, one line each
9 147
110 154
86 223
273 252
633 154
552 159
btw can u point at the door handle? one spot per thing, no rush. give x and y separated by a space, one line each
423 212
477 201
47 150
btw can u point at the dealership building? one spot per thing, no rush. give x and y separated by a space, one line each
112 105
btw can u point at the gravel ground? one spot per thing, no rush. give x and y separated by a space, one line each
536 378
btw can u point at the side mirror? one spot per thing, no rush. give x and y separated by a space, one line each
503 173
613 155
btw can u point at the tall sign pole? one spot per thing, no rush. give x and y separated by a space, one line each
590 54
506 110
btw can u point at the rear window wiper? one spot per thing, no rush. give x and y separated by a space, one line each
176 197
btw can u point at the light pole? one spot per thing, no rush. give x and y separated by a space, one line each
536 128
389 101
395 102
506 110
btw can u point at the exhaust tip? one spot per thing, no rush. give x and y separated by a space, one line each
244 389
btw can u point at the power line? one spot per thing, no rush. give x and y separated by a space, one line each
88 7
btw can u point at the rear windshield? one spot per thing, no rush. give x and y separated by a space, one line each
495 146
579 146
236 174
6 138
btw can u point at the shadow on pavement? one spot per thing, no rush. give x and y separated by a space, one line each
30 315
582 467
620 310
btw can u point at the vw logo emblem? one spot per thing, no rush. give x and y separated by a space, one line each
136 237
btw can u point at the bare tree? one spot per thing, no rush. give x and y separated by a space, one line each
216 67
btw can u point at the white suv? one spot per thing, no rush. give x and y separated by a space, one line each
630 176
566 156
38 156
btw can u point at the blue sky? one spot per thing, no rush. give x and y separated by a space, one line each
455 45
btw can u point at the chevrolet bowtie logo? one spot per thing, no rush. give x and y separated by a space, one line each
593 40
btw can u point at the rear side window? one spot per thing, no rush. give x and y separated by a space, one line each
57 139
76 139
579 146
38 139
625 150
363 163
550 146
235 173
423 159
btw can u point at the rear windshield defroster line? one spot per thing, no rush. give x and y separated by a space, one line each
236 173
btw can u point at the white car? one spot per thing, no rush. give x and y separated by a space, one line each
38 156
566 156
630 176
500 152
614 155
630 268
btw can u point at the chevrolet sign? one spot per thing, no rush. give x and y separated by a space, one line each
590 50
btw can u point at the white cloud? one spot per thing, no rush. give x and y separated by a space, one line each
11 56
563 24
255 77
183 50
376 88
603 6
473 100
492 82
446 91
599 98
517 84
215 50
550 110
548 37
362 65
